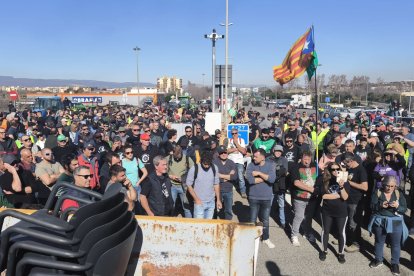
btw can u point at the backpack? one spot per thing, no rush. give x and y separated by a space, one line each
196 172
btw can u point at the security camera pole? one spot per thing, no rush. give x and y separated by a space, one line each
214 37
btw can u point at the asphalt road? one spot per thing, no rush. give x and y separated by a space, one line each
286 259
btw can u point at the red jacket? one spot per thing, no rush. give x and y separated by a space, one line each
94 169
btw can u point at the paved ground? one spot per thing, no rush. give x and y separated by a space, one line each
286 259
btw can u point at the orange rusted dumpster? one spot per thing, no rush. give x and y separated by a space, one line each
179 246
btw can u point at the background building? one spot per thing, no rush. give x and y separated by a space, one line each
170 85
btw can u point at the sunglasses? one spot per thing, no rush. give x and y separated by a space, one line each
147 130
289 141
136 129
224 152
335 169
48 153
91 149
235 133
86 176
128 152
122 132
63 141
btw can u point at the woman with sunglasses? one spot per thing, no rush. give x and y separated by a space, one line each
335 193
131 165
388 205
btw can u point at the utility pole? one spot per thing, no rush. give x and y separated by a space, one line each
213 37
137 49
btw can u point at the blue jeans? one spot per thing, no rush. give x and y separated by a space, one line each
261 208
280 196
138 190
227 199
178 191
395 238
205 210
240 172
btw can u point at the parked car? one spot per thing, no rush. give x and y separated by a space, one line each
341 112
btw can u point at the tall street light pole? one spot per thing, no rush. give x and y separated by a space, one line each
226 82
213 37
366 96
137 49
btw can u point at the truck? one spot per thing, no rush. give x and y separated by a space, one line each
301 101
42 104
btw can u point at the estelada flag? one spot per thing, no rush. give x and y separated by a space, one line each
297 59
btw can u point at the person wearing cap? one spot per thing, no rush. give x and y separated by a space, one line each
331 134
122 134
9 179
236 150
146 152
63 148
387 135
227 172
292 130
374 141
87 158
48 170
363 150
279 187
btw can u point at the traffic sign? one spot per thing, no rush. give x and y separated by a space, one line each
243 131
13 95
327 99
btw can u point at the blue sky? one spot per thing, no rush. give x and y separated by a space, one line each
93 39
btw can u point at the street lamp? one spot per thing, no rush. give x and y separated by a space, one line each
226 84
213 37
137 49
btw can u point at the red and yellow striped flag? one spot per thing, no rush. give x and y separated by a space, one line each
292 66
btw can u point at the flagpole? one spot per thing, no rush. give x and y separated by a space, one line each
316 108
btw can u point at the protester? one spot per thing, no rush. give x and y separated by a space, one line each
389 206
227 172
304 198
335 191
261 174
155 195
203 185
178 166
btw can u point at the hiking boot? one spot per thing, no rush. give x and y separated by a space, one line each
375 263
244 195
322 255
395 269
269 243
311 238
295 241
352 248
341 258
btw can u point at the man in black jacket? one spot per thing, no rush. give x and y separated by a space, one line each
155 195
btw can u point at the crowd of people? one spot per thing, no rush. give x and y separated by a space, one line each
352 173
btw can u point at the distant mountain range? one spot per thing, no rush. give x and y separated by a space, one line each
26 82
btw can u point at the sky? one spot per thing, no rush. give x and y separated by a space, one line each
93 39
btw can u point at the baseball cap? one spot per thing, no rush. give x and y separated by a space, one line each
121 129
89 144
218 131
278 148
61 138
374 134
221 149
145 137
